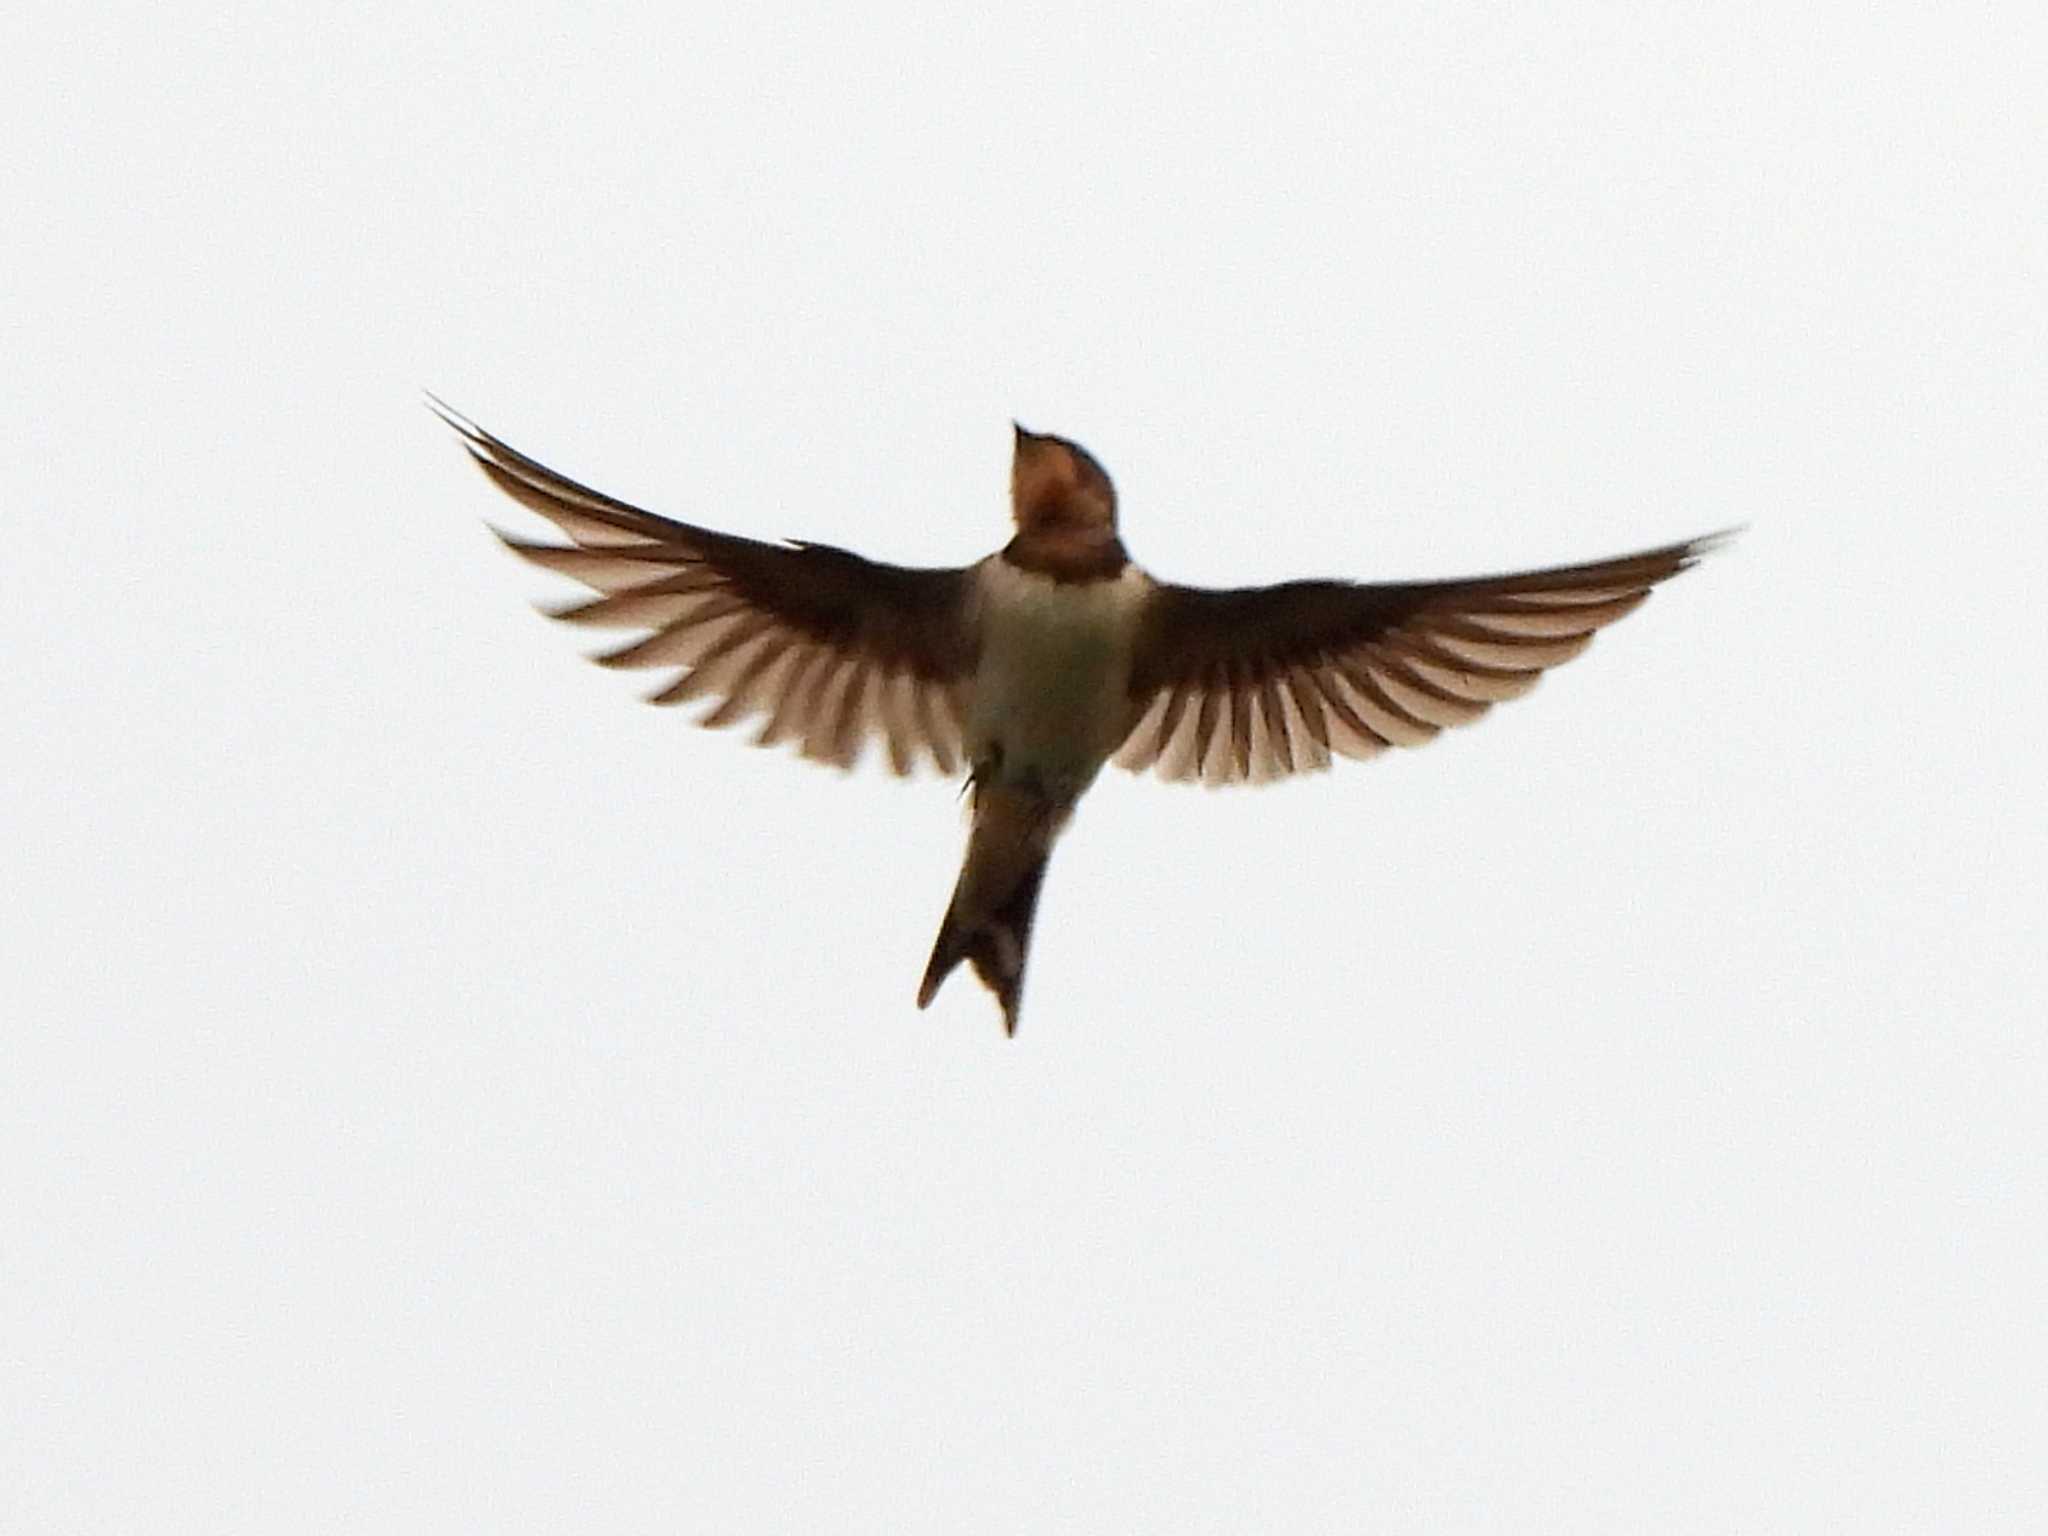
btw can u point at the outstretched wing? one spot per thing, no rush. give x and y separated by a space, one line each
834 649
1244 685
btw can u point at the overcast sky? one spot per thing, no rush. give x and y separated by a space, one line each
440 1092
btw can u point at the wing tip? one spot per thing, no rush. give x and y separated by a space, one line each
485 451
1706 544
454 418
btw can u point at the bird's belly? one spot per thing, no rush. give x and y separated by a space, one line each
1051 694
1048 714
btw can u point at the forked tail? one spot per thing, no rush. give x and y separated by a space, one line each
989 920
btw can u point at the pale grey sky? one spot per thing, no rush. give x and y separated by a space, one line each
441 1093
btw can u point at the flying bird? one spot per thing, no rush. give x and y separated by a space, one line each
1056 654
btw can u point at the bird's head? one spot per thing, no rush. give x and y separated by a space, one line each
1059 493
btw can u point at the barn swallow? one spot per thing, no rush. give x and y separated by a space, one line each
1034 667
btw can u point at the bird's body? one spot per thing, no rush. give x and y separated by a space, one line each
1052 692
1051 657
1051 703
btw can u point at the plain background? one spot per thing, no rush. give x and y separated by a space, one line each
440 1093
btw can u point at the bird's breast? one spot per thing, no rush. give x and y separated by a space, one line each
1051 692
